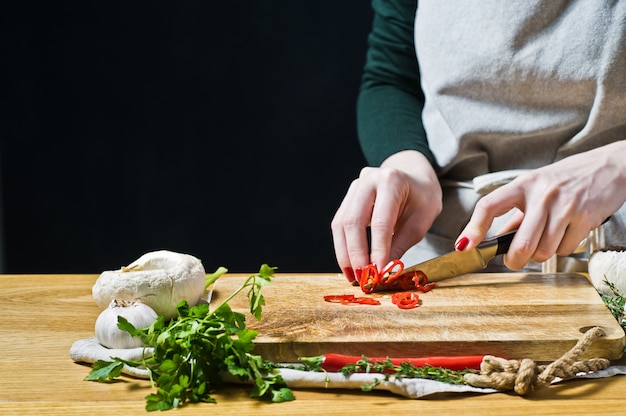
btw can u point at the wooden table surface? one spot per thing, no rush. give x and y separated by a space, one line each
42 315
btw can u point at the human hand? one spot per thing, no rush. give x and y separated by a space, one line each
399 201
558 205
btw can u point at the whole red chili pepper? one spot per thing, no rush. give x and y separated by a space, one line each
335 362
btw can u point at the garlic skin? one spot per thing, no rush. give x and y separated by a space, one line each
160 279
137 313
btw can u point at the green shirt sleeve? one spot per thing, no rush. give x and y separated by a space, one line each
390 101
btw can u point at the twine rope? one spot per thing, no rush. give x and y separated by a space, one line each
524 376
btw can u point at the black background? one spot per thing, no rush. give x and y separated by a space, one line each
225 130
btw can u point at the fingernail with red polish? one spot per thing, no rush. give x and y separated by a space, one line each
349 273
461 244
357 273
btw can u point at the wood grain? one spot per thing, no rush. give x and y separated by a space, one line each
42 315
512 315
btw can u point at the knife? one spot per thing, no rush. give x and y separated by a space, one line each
460 262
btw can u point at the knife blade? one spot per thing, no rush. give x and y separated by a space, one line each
457 263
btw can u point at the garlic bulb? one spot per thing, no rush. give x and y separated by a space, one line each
137 313
160 279
608 264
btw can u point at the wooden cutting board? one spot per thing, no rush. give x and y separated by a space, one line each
511 315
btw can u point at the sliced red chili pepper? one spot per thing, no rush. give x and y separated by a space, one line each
420 278
407 305
338 298
427 287
364 301
401 283
421 282
351 299
405 300
369 278
391 272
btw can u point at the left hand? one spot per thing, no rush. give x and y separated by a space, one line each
558 205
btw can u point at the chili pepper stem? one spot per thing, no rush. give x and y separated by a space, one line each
313 363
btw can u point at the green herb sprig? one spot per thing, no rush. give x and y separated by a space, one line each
615 304
388 369
192 352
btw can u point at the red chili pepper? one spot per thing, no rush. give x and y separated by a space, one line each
338 298
364 301
350 299
335 362
369 278
391 272
405 300
390 278
402 283
421 282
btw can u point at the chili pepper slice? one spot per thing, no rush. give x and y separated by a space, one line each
391 272
350 299
364 301
421 282
401 283
338 298
420 278
427 287
369 278
405 300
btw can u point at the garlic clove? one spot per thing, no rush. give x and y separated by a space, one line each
138 314
160 279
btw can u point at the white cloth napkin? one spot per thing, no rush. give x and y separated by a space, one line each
90 351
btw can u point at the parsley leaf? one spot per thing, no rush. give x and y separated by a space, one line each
105 370
193 351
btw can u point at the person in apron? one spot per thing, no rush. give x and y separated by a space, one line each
482 116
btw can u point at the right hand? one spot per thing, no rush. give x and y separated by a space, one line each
399 201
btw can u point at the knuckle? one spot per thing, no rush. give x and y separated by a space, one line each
336 223
486 203
380 224
390 176
542 254
366 172
524 246
523 251
350 220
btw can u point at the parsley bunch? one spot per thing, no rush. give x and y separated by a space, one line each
193 351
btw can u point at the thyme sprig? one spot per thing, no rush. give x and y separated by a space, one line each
615 304
404 370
